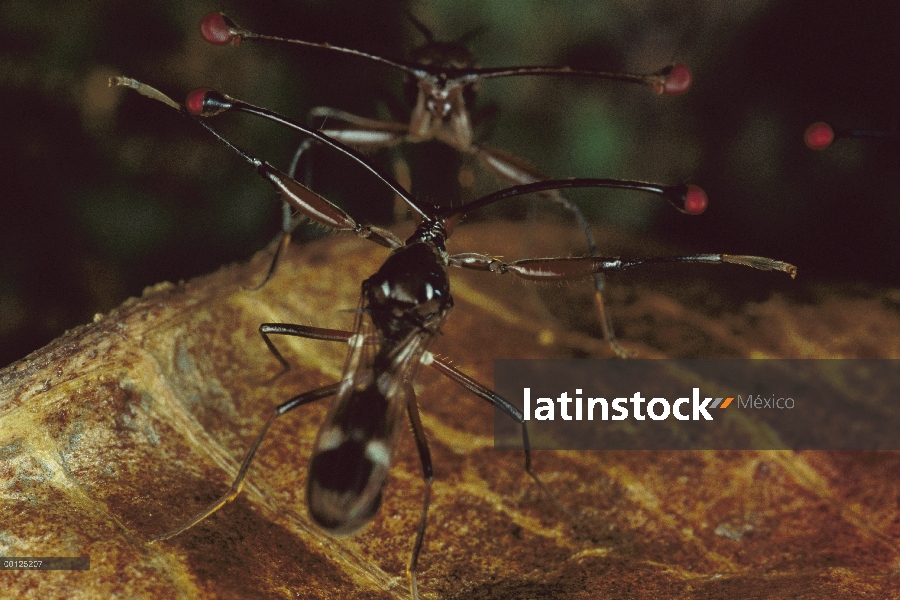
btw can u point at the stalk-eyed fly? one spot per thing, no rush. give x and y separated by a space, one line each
401 309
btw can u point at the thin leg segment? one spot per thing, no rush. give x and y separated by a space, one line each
500 402
305 398
360 132
283 244
428 474
311 333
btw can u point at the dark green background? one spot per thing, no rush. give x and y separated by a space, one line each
105 192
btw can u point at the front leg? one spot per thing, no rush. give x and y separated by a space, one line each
557 269
238 483
362 133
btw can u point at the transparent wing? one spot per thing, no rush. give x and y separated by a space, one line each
356 443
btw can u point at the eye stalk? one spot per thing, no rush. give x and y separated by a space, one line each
207 102
457 70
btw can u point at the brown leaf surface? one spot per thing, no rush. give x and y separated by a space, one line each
122 429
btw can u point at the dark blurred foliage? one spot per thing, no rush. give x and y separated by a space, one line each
105 192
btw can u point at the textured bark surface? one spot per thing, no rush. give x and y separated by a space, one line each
122 429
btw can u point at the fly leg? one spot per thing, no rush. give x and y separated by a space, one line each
503 404
305 398
428 474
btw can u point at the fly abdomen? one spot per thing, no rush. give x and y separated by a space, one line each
345 485
351 461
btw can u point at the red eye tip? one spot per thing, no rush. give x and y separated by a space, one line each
818 136
695 201
218 29
678 80
196 101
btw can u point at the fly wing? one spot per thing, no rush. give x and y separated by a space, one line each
357 441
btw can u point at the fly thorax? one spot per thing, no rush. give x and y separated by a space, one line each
409 293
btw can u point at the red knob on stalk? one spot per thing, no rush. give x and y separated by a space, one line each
677 80
695 201
818 136
218 29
